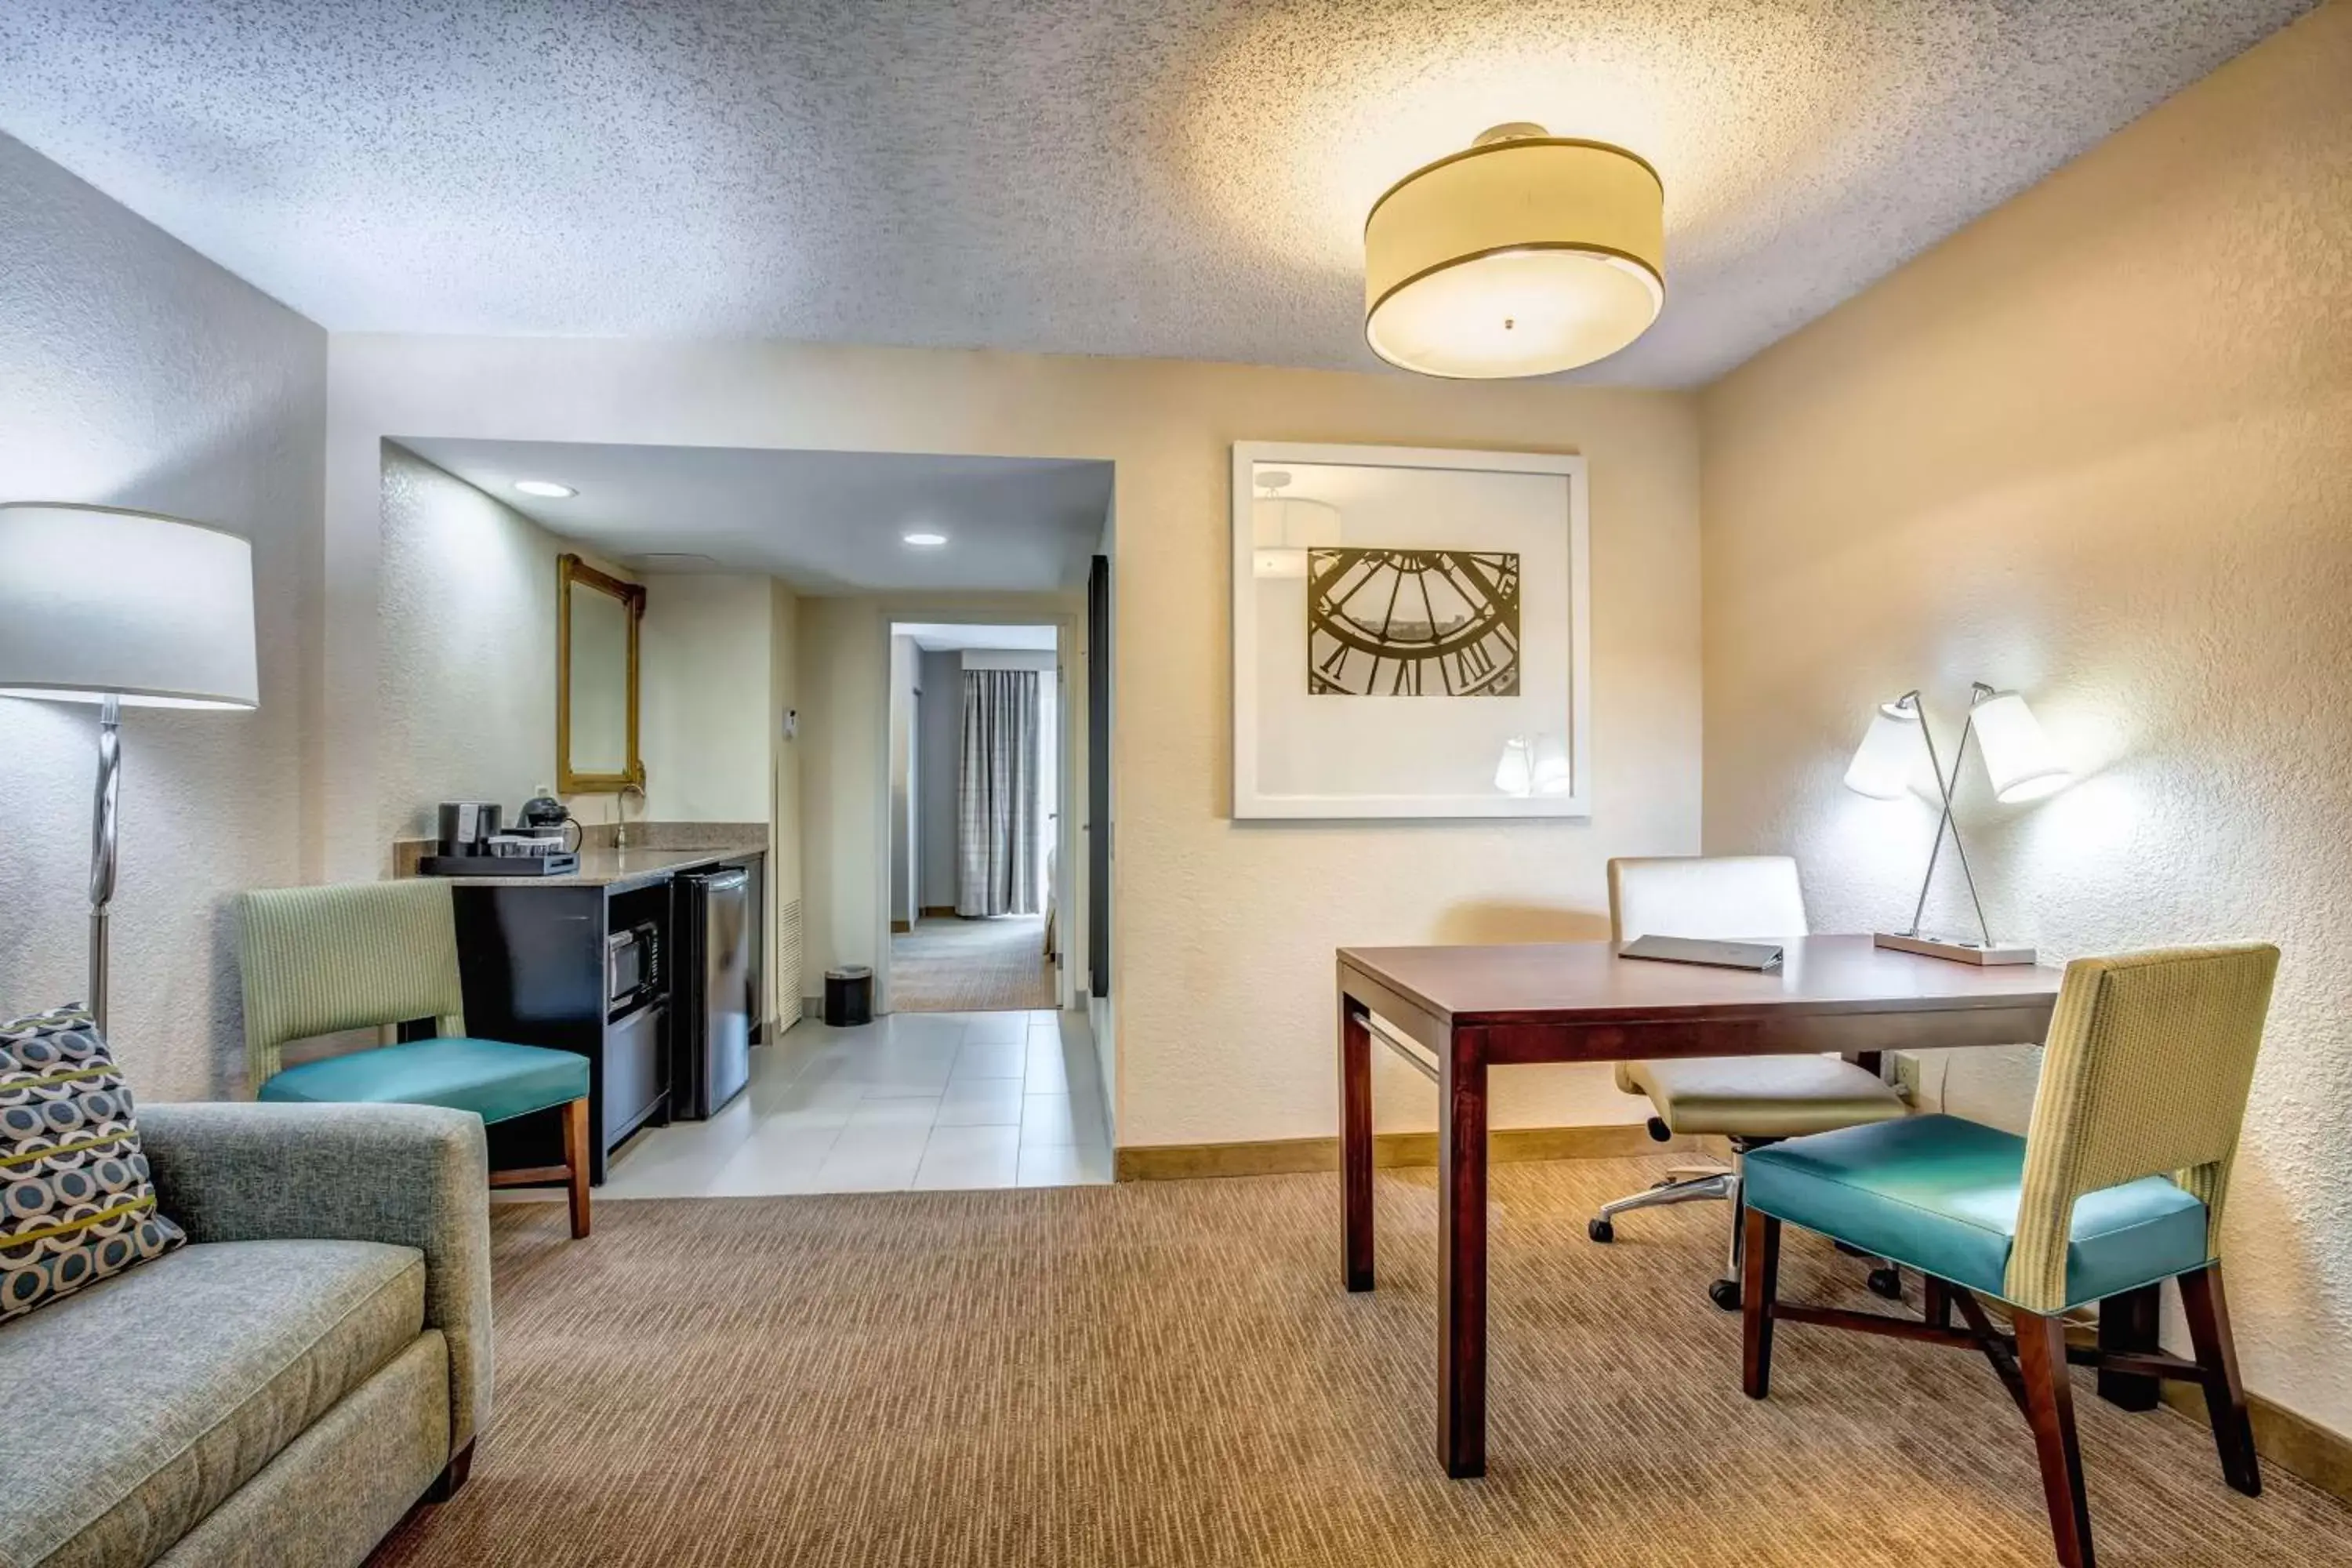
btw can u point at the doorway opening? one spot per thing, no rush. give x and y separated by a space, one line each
978 774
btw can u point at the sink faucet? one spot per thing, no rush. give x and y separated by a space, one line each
621 813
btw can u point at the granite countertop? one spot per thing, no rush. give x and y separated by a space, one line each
602 866
619 868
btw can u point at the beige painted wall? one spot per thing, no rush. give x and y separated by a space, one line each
1223 933
466 666
2097 446
787 939
134 372
715 664
706 668
466 684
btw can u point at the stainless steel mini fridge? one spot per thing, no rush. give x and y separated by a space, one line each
711 990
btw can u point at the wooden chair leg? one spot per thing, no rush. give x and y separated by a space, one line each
576 1157
2049 1407
1935 1301
2225 1396
1759 1285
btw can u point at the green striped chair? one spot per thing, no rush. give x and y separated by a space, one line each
2115 1187
315 960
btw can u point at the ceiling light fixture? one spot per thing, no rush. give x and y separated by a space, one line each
925 541
546 488
1527 254
1286 527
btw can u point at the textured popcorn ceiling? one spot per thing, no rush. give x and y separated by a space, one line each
1169 177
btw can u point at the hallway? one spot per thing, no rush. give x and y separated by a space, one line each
948 964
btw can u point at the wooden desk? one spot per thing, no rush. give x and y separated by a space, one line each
1475 1007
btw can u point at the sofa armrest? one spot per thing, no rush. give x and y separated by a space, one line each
411 1176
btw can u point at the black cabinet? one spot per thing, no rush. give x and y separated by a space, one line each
532 955
533 958
635 1084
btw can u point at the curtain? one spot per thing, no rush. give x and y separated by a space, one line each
996 794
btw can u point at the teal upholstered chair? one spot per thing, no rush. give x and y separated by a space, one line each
2115 1187
316 961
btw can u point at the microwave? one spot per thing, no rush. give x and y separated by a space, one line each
632 968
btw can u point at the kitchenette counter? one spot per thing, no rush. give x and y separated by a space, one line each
655 851
602 866
636 960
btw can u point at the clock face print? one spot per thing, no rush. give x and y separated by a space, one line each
1412 623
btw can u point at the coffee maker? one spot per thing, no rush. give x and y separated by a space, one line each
546 816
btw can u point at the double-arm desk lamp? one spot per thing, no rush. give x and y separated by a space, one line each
125 609
2018 763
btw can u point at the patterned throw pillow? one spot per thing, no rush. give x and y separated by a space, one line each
76 1204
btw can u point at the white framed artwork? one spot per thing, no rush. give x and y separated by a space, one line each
1412 633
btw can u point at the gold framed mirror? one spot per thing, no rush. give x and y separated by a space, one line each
597 621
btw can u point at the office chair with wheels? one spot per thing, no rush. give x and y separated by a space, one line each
1750 1100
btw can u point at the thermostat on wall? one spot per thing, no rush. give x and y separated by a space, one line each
792 723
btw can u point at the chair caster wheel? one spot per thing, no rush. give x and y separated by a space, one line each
1725 1293
1602 1231
1887 1283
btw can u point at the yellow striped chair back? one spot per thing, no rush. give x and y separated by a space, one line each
2146 1072
318 960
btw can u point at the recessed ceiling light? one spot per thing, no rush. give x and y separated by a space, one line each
925 541
547 487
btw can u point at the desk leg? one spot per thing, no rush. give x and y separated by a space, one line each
1462 1257
1355 1144
2127 1324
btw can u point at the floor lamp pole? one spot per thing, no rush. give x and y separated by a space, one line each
102 846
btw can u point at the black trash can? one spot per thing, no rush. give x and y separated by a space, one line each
848 996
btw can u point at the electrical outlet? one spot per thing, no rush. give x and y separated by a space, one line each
1907 1075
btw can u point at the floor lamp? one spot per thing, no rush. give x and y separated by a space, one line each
123 609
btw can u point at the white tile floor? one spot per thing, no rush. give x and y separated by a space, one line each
914 1100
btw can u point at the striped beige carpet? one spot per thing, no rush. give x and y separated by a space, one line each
1169 1374
951 965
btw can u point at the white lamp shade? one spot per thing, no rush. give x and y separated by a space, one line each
1527 254
1533 764
95 602
2017 756
1550 774
1888 758
1514 774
